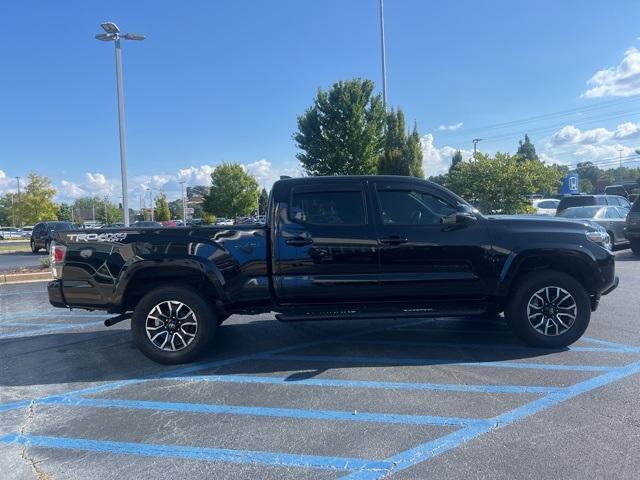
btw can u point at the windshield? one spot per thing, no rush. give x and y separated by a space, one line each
61 226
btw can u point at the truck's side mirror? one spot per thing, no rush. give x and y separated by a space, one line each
465 217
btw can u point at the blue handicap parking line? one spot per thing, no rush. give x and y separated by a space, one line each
436 447
50 328
367 384
5 407
620 346
296 413
276 459
52 313
487 346
432 361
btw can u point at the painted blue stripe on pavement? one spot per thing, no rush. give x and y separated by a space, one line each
261 411
621 346
14 405
434 361
53 314
225 361
487 346
277 459
51 328
445 443
372 384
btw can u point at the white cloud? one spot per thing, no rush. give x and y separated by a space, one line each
572 135
628 130
437 160
622 80
450 128
601 152
70 190
200 175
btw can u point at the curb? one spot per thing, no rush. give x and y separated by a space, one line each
4 252
9 278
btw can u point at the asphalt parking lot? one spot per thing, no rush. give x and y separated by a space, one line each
431 398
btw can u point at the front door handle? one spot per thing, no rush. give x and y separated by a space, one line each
393 240
299 241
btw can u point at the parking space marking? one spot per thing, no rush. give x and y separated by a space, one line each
277 459
621 346
450 441
304 414
491 346
433 361
370 384
50 328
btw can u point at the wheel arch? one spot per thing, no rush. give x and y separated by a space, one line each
146 276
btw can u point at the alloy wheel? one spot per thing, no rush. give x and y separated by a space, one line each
171 326
551 311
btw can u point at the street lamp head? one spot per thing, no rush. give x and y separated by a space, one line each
105 37
110 27
133 36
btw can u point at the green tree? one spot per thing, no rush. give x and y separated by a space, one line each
501 184
343 132
263 201
586 186
36 202
65 212
402 153
455 159
175 207
589 171
84 208
7 209
526 150
233 192
197 190
162 212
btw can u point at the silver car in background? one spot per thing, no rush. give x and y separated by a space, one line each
613 219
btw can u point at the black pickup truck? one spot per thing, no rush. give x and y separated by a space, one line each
339 248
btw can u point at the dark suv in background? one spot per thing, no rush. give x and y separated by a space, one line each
41 235
633 226
588 200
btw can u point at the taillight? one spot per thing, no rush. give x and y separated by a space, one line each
56 259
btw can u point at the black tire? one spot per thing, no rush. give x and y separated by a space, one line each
518 320
635 247
47 246
612 237
204 316
34 249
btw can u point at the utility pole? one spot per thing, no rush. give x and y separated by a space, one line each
184 205
620 150
475 146
384 57
19 205
151 201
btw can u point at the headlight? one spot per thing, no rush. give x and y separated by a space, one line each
600 236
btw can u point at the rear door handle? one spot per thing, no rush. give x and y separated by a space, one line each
393 240
299 241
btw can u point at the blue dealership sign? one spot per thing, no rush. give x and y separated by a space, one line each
570 184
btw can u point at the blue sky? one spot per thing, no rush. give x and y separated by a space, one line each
223 81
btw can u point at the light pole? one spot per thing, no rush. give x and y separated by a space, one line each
113 34
384 57
475 146
184 205
19 205
151 201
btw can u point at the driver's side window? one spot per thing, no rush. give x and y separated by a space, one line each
401 206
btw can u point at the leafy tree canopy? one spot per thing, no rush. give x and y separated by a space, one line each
343 132
162 212
501 184
526 150
233 192
36 202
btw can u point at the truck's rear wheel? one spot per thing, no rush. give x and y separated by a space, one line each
549 310
635 246
172 324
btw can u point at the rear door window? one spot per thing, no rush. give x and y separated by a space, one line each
339 206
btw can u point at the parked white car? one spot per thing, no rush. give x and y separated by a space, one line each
10 233
546 206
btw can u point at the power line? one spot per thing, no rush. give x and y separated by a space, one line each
561 113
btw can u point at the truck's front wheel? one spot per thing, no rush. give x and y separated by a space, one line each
549 310
173 325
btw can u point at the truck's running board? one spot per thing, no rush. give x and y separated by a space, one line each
363 313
